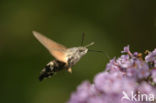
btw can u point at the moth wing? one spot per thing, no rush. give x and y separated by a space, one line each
55 49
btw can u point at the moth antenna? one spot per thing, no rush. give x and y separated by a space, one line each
92 43
83 35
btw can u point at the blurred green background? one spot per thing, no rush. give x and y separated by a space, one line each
111 24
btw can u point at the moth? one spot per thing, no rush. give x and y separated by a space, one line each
65 58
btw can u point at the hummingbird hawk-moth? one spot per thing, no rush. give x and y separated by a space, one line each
65 58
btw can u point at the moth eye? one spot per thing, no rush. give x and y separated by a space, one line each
80 50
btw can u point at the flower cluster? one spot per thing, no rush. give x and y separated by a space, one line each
127 79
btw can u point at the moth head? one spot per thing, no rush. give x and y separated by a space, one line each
82 50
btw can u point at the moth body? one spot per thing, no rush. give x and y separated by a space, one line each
51 68
65 57
74 54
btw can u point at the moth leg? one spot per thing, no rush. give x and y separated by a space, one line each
69 70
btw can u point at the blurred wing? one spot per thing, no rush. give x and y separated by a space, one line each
56 49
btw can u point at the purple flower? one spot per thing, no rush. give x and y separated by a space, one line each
130 66
142 69
113 83
126 49
97 99
146 88
129 73
112 66
125 62
154 75
151 56
135 54
84 91
104 82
